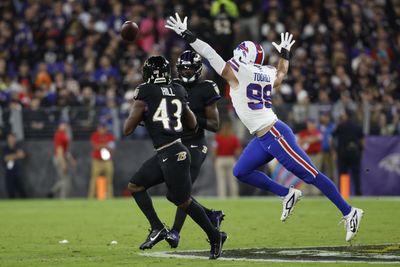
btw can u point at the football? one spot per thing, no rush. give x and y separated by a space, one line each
129 31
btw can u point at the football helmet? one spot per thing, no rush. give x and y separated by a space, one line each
156 69
249 52
189 66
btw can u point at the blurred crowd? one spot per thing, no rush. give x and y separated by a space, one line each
68 53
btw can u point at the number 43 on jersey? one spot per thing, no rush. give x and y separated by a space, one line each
164 116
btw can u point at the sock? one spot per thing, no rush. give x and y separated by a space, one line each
261 180
207 210
328 188
199 216
180 216
144 202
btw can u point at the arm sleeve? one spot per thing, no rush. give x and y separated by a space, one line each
206 51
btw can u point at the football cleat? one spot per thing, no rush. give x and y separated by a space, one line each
289 202
352 222
216 246
173 238
216 217
155 236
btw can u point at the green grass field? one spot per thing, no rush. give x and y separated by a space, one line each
30 231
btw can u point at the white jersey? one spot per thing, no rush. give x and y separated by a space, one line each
252 98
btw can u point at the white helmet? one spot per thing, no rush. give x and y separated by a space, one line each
249 52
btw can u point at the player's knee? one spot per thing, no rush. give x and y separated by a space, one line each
239 172
185 204
134 188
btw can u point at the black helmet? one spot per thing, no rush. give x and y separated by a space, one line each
156 69
189 66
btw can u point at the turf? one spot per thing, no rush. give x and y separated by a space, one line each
30 230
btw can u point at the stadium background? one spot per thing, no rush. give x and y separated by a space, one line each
64 60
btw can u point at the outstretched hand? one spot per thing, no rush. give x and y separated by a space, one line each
176 24
286 42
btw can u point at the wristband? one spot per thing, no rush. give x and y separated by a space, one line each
285 53
189 37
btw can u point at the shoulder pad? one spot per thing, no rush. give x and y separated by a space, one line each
212 85
209 82
141 85
176 80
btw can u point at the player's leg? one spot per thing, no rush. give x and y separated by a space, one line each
198 154
232 182
179 186
355 175
197 159
95 172
220 172
149 174
292 157
109 174
253 156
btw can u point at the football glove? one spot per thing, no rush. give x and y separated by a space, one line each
176 24
286 42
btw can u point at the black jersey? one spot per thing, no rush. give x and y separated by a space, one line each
200 95
165 104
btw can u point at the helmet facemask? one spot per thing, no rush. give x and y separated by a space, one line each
189 66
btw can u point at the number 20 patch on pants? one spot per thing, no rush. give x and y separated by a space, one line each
181 156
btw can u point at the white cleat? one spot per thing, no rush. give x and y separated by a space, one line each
352 222
289 202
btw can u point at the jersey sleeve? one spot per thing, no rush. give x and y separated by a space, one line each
140 93
211 93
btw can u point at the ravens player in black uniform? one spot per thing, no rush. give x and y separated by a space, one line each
162 106
203 97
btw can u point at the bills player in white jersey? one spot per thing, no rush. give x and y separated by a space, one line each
251 88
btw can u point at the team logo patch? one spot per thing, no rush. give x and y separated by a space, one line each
243 48
181 156
379 254
391 163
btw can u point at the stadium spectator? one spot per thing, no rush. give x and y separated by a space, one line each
310 140
35 119
152 30
326 126
103 144
349 142
249 19
15 119
63 161
227 148
224 15
12 157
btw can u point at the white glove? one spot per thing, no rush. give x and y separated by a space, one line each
286 42
177 24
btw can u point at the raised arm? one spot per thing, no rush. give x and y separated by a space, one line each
283 63
204 49
135 116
